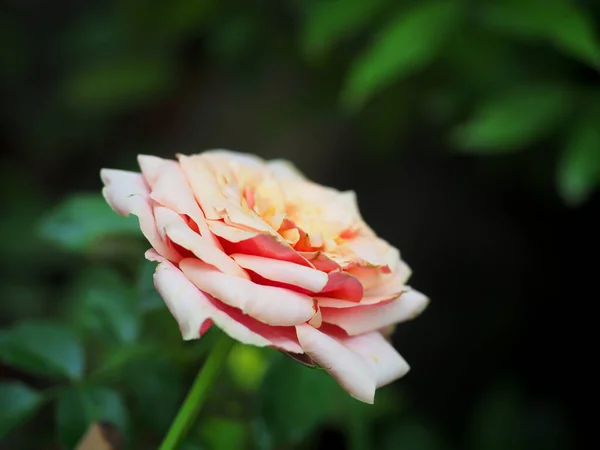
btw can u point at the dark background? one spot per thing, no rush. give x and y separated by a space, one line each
475 151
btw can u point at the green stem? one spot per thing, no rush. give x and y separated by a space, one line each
198 393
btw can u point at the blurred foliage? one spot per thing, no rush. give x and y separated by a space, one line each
84 330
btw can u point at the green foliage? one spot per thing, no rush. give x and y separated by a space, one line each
410 41
497 419
562 23
46 348
291 413
82 219
223 434
18 402
513 119
579 166
78 407
327 23
413 435
157 387
122 84
247 366
105 305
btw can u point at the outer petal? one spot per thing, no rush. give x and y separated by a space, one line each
268 304
192 309
285 272
171 189
363 319
171 224
349 369
127 193
284 170
383 360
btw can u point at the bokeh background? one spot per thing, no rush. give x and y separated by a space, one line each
470 131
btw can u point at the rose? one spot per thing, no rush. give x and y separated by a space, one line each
272 259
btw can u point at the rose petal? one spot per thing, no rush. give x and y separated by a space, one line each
267 247
347 367
384 361
173 225
153 167
192 309
218 192
320 261
343 285
230 233
171 189
127 193
363 319
268 304
283 271
285 170
283 338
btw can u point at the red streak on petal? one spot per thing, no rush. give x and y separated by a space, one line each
258 279
267 247
205 326
320 261
192 224
274 334
343 286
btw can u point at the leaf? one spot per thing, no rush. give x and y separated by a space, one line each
81 219
120 84
149 298
223 434
43 348
106 305
411 41
561 22
579 167
157 388
327 23
511 120
77 409
18 403
497 420
247 365
294 400
411 435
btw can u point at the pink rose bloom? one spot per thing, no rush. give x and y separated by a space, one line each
272 259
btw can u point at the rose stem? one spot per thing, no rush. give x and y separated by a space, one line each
198 393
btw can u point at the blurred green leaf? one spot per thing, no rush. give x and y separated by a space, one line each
511 120
247 365
77 408
328 22
579 167
119 84
157 388
106 305
412 40
223 434
82 219
497 420
561 22
18 403
43 348
149 298
295 400
410 434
